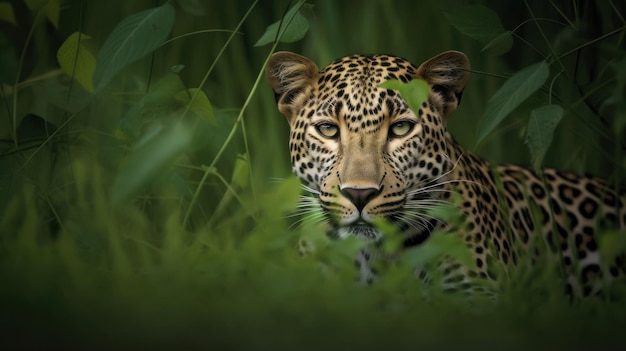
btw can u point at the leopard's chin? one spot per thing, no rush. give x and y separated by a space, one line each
361 230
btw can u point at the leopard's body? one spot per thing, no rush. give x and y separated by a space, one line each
364 154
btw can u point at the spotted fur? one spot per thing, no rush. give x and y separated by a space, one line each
363 154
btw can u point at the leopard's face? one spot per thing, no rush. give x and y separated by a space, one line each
358 147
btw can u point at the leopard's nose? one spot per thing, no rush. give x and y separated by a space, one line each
360 196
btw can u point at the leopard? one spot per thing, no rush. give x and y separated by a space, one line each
363 155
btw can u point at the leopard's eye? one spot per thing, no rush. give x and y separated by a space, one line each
328 130
400 129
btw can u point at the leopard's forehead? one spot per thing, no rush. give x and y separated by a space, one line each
350 89
358 68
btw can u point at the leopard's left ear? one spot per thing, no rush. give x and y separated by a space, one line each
447 74
291 77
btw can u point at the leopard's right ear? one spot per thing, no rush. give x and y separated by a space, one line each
291 77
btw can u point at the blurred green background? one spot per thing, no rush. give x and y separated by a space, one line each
188 255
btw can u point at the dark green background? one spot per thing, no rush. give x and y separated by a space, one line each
78 270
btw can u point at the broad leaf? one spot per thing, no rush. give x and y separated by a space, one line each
200 103
500 44
51 8
132 39
193 7
541 125
76 61
482 24
476 21
414 92
241 172
293 27
514 91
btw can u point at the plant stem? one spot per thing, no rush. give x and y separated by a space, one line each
196 194
239 119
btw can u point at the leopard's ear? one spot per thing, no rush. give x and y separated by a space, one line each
291 77
447 74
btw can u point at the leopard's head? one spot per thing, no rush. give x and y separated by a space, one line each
358 148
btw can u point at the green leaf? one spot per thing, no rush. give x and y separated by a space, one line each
193 7
541 125
500 44
239 181
293 26
482 24
76 61
514 91
283 198
200 104
414 92
6 13
476 21
133 38
162 92
611 245
437 246
35 5
241 172
156 152
51 8
448 213
177 68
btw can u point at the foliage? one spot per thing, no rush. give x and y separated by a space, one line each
137 140
292 27
482 24
414 92
516 89
132 39
541 124
76 60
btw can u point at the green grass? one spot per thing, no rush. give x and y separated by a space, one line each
116 228
132 280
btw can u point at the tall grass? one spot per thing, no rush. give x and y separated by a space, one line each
192 255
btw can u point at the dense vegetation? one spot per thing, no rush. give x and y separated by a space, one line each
140 147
